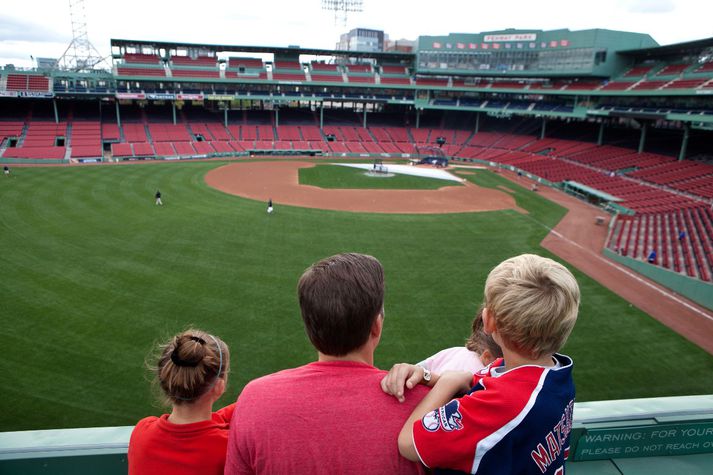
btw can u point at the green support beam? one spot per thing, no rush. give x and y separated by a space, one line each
600 137
544 128
642 137
684 142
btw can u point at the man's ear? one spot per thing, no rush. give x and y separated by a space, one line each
378 325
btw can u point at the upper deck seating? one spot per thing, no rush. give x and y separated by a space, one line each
247 63
128 71
27 82
396 70
359 68
324 67
138 58
673 70
638 71
200 61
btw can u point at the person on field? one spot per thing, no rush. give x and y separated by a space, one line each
515 415
652 257
329 416
6 170
192 371
158 198
269 206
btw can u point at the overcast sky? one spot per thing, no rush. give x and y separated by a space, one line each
42 28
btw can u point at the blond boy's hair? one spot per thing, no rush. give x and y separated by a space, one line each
534 302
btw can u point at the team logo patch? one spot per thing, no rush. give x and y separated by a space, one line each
447 418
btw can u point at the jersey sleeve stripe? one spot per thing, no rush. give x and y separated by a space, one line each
490 441
413 441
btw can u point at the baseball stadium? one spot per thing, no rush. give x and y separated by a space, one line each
134 196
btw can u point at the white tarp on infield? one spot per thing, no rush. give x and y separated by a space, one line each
407 170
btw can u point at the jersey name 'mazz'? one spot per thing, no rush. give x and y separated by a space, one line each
516 421
556 440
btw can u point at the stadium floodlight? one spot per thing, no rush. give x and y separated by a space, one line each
80 55
342 8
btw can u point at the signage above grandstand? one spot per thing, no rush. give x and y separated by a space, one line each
518 37
161 96
43 94
219 97
190 97
130 95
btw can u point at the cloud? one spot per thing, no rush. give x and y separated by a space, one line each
20 29
650 6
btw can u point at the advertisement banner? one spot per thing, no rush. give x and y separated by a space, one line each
35 94
219 97
161 96
190 97
130 95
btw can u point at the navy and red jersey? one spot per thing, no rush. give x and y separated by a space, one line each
515 421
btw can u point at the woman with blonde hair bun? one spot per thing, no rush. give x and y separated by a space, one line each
192 372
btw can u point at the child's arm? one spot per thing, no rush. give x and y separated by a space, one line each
447 386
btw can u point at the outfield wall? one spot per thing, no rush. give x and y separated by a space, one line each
694 289
653 436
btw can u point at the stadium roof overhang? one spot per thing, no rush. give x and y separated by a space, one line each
279 50
669 50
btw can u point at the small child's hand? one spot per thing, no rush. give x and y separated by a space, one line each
401 375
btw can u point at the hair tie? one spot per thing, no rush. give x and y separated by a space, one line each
179 362
198 339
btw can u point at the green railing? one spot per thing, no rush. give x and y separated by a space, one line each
633 436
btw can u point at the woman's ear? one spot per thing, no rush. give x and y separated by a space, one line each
218 389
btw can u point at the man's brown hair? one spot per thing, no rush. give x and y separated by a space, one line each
340 297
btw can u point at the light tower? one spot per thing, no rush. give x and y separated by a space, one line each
80 55
342 8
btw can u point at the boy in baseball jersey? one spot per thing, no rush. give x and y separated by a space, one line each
516 414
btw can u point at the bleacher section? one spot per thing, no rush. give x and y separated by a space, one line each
86 140
27 82
682 239
41 141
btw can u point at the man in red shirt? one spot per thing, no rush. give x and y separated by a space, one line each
329 416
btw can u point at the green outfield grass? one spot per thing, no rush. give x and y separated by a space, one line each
335 176
94 274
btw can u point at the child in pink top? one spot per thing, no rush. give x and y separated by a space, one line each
479 351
